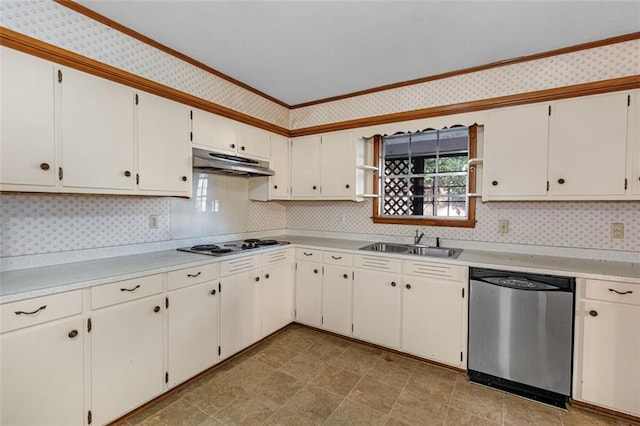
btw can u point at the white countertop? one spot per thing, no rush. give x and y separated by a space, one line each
33 282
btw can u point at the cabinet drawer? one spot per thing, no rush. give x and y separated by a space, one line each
613 291
336 258
38 310
376 263
434 270
277 256
241 264
190 276
310 255
124 291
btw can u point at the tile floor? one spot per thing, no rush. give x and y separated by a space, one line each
304 377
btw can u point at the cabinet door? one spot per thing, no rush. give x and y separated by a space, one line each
432 319
279 163
213 131
253 142
635 147
376 307
277 297
192 331
164 152
240 313
126 357
41 375
26 120
97 132
611 350
587 145
515 153
305 167
336 299
309 293
338 165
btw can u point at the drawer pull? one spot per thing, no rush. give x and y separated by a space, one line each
194 275
307 254
41 308
336 257
621 292
130 289
72 334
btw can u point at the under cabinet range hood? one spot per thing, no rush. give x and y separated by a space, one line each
224 164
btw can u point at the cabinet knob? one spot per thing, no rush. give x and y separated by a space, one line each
560 181
156 309
127 173
44 166
266 276
213 292
242 148
233 146
275 186
593 313
345 276
315 271
347 186
494 183
393 283
314 187
184 178
257 279
73 334
408 286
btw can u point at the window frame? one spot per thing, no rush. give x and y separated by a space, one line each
470 222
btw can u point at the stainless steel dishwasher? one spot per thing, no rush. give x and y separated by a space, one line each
521 333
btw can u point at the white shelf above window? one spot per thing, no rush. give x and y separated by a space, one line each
369 168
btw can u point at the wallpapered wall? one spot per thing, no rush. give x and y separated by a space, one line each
45 223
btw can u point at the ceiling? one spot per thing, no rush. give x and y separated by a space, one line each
301 51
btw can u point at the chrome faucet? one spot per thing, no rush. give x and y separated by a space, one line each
417 238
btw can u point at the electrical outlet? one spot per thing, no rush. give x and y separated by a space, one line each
153 221
617 230
503 226
342 219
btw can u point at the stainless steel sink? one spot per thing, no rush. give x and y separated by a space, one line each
419 250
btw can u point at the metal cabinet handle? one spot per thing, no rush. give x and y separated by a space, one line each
257 279
72 334
242 148
621 292
233 145
408 286
275 186
184 178
194 275
314 187
593 313
315 271
44 166
560 181
393 283
266 276
307 254
41 308
336 257
130 289
347 186
156 309
494 183
345 276
127 173
213 292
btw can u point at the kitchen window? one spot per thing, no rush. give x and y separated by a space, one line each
424 177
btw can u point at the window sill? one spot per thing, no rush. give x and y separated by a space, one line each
425 222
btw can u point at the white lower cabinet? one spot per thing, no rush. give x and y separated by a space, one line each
336 298
41 374
309 293
192 331
240 312
277 297
376 307
607 362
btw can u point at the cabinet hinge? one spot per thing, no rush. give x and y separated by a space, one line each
89 417
89 325
219 288
323 270
460 356
628 100
191 115
219 351
353 275
166 303
191 136
60 173
549 110
322 320
137 179
352 328
166 377
625 184
59 76
547 185
296 266
463 293
137 99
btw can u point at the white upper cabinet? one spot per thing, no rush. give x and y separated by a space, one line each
281 166
164 153
213 131
587 146
253 142
515 153
635 145
337 165
97 132
26 120
305 167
